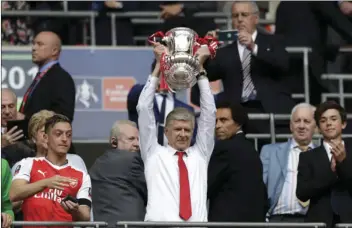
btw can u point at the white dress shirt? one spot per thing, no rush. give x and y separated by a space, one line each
242 47
288 202
170 104
160 162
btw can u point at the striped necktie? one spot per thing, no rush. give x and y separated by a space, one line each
248 91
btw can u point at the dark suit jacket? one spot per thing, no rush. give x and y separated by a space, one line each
268 71
316 181
236 190
119 189
132 101
55 92
309 28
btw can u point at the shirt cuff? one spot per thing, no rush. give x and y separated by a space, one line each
203 82
153 80
255 50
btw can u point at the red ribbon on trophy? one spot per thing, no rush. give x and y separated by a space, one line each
157 37
153 39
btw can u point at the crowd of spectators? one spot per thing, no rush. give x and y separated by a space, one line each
167 163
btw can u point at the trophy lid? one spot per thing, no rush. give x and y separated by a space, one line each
181 29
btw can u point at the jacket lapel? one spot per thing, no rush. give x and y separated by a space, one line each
282 153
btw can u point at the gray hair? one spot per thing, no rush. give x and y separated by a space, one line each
254 5
10 91
182 114
115 131
302 105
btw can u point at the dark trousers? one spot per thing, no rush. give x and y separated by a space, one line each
286 219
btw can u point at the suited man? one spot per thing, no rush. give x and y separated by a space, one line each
236 190
280 162
164 103
53 88
252 69
324 173
118 183
305 23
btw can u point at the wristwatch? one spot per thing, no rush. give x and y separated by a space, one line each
201 74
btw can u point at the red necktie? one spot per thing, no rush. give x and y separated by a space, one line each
185 195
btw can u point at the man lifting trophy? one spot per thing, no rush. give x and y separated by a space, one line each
177 190
179 65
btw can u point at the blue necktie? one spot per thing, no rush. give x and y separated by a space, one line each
161 120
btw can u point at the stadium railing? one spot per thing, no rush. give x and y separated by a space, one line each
153 17
54 223
126 224
215 224
341 95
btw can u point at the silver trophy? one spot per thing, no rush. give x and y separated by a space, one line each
180 66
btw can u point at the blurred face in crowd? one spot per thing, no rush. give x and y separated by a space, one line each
179 134
331 125
46 47
128 139
8 106
59 138
303 125
244 16
226 127
40 140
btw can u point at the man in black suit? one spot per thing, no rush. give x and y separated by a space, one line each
118 182
53 88
305 24
324 173
252 68
236 190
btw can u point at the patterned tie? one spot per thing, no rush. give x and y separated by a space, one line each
161 120
185 195
29 91
248 91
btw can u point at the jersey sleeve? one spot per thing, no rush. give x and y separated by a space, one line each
22 170
85 192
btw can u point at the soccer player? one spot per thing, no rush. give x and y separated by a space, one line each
51 188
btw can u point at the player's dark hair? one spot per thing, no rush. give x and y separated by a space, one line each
52 121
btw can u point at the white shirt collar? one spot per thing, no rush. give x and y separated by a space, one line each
254 35
173 151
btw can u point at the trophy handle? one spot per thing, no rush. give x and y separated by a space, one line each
156 37
211 42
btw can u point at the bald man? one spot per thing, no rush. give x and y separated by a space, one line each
53 88
8 113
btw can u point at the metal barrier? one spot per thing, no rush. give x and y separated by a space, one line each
215 224
52 223
341 94
151 17
344 225
272 135
252 116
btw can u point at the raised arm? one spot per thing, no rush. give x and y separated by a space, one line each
206 121
146 120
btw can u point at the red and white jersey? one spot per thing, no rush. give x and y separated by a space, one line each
45 205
